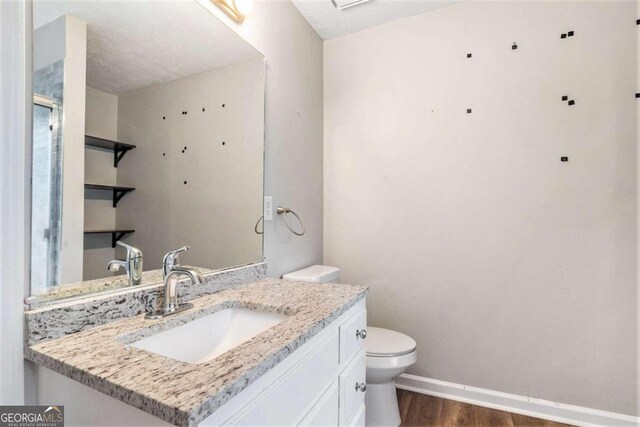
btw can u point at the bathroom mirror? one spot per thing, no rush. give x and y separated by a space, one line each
143 133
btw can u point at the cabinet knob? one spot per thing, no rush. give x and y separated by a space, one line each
361 387
361 333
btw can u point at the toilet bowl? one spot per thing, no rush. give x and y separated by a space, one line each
389 353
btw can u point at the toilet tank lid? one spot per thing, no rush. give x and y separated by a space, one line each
385 342
315 273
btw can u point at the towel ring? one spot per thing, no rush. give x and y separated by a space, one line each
284 211
257 224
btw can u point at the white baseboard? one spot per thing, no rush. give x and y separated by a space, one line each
559 412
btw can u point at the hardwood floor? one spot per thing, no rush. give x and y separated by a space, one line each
422 410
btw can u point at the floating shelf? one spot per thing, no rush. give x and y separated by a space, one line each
119 148
116 234
118 191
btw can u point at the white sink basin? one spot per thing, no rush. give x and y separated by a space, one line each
208 337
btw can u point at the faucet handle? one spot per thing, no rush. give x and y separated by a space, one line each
116 265
132 252
172 258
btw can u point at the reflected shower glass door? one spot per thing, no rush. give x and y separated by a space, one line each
46 195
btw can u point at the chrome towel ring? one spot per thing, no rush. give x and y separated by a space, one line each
257 224
284 211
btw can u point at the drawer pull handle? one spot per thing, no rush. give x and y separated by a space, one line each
361 387
361 333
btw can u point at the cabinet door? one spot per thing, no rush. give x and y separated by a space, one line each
358 418
351 336
325 412
292 396
352 384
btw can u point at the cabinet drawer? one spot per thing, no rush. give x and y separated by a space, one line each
325 412
350 341
352 397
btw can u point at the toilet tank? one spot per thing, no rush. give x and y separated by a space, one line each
315 273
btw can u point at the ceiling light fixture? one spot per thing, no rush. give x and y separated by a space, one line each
236 9
346 4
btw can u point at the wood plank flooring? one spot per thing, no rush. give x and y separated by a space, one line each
422 410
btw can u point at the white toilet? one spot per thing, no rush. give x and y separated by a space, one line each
389 353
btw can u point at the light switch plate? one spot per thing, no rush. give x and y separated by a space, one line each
268 208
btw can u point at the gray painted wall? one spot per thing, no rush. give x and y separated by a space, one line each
513 271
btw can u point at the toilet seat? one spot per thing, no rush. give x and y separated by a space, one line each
392 363
382 342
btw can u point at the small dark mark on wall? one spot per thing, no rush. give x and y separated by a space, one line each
203 109
183 151
565 97
164 117
164 154
564 159
572 102
563 35
514 46
468 110
223 105
637 21
185 182
570 34
185 148
638 95
468 55
223 143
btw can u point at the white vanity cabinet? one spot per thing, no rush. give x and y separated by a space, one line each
322 383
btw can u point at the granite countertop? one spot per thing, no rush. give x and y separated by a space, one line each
95 286
182 393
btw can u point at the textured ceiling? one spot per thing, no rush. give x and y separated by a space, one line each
330 22
135 44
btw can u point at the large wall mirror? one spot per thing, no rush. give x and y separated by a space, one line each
144 134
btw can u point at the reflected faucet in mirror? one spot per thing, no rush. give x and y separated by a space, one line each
171 271
132 265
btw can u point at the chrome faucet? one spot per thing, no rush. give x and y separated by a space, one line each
171 270
132 265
